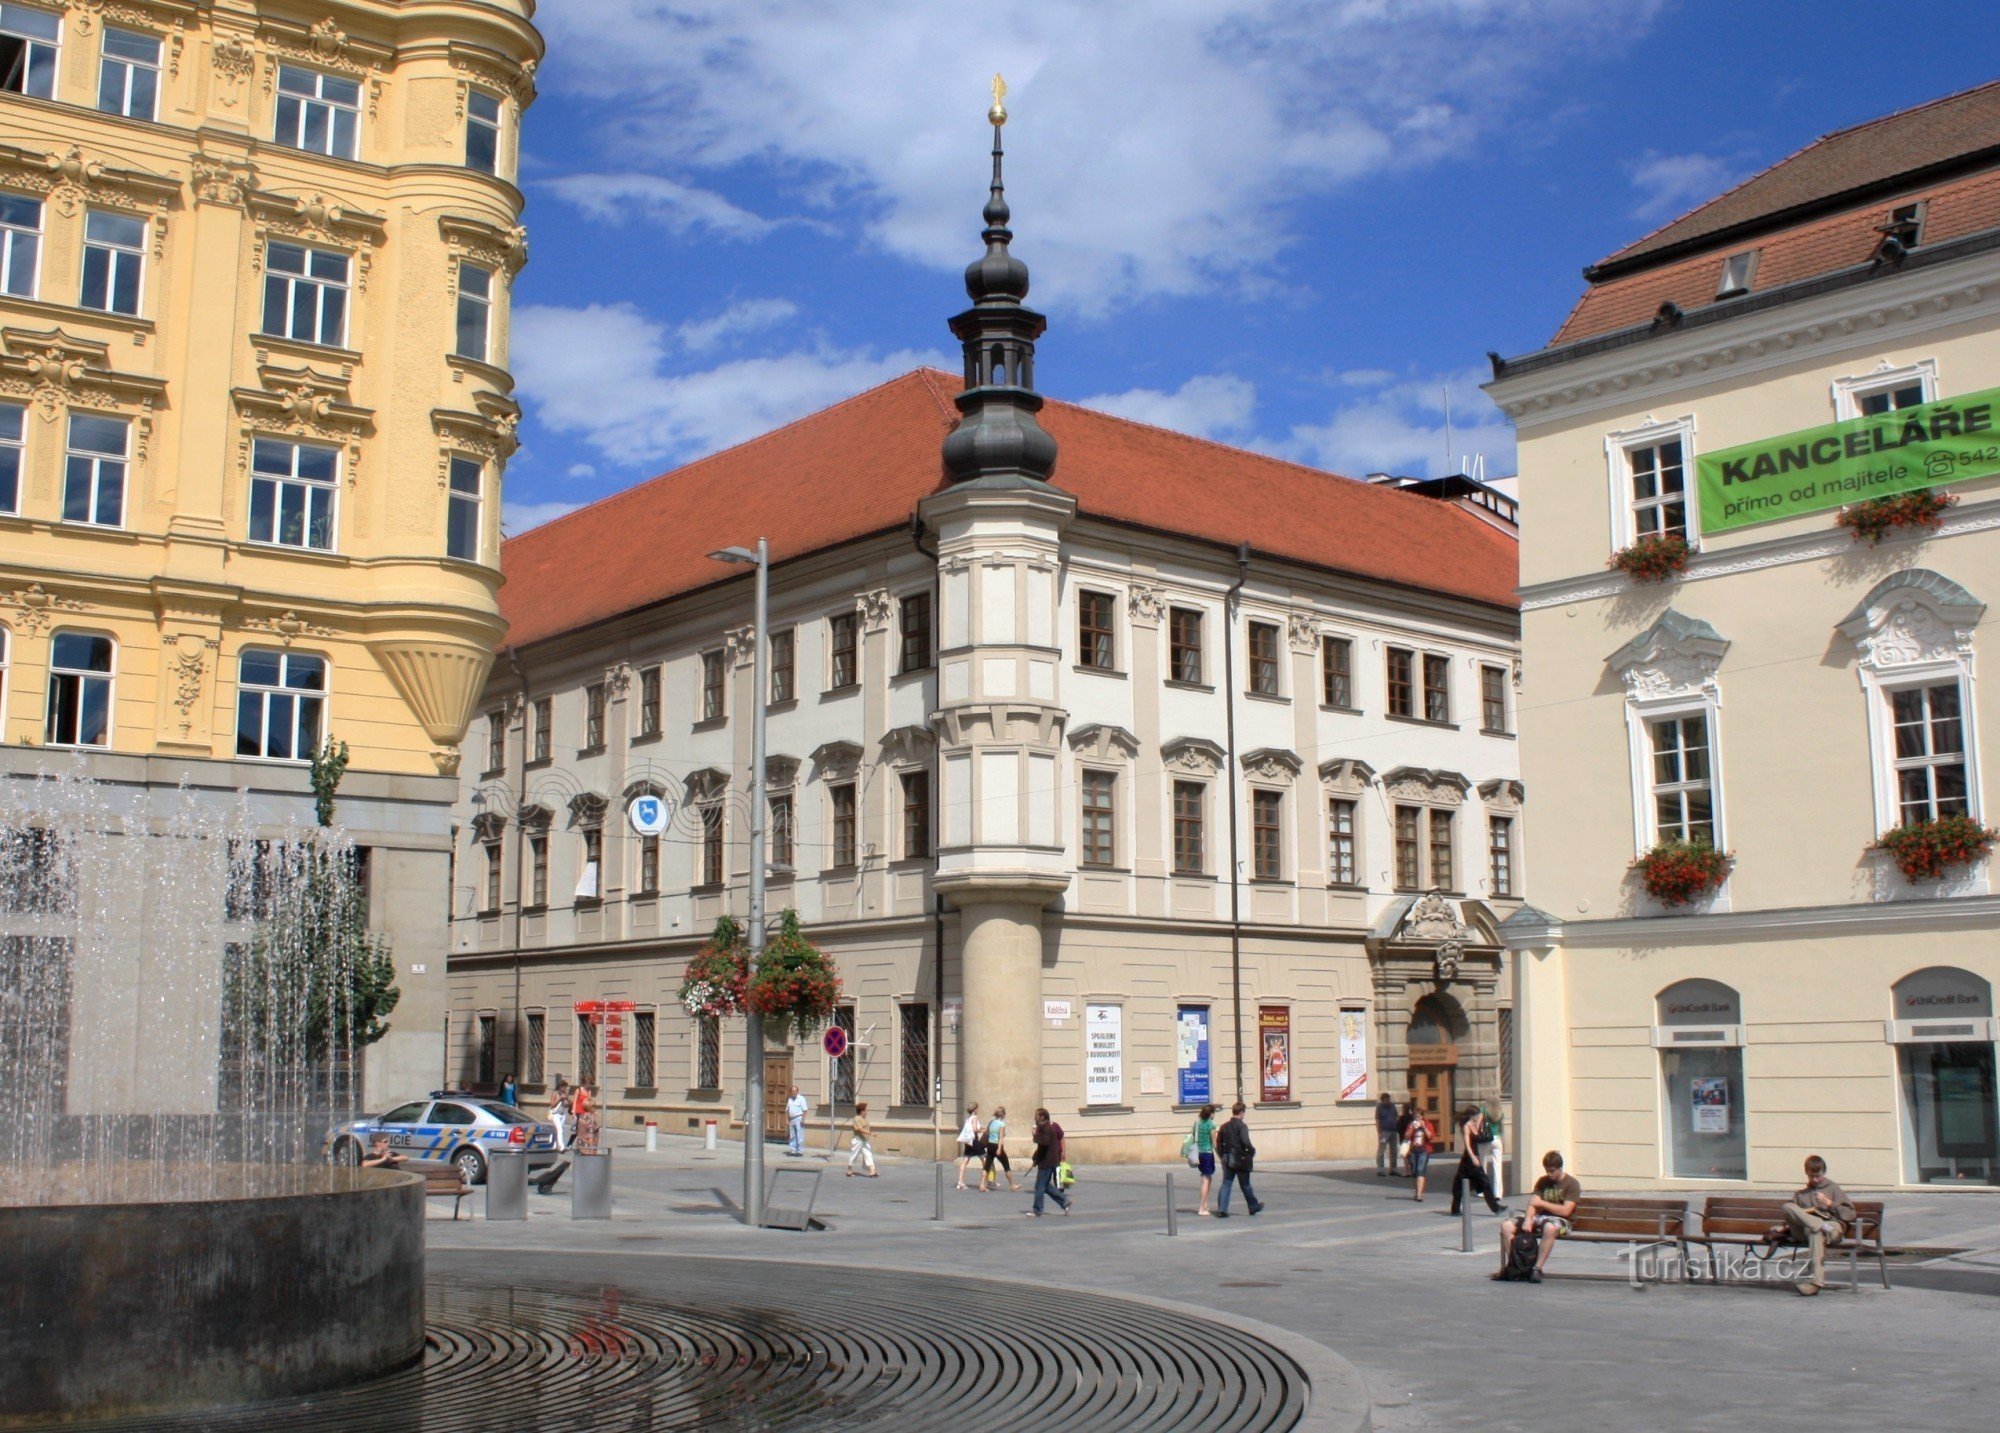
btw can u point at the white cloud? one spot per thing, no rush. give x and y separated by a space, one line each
675 207
750 316
517 518
1671 184
604 372
1211 405
1400 428
1157 146
581 470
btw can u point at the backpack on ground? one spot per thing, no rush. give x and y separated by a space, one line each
1521 1256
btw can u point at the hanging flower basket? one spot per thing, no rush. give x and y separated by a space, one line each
796 988
1676 872
1876 518
1652 559
715 980
1930 850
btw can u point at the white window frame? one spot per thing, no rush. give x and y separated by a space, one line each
1639 719
1085 772
119 255
6 662
18 446
457 497
1923 678
1849 391
482 304
98 462
1358 873
323 695
129 65
498 125
1904 639
34 42
280 481
305 103
12 235
1742 267
305 277
110 680
1618 448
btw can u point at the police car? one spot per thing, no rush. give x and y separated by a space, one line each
448 1128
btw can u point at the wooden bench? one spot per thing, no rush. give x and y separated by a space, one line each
1624 1219
1747 1223
443 1183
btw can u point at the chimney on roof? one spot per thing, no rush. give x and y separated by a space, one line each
998 441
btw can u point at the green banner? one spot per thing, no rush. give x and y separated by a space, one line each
1950 441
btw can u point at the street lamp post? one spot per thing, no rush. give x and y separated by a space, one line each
753 1023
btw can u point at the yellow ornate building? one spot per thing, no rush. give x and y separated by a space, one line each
254 407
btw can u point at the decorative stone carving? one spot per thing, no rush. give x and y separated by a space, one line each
1677 656
707 785
1303 630
232 58
741 645
1147 605
1449 953
439 679
1103 742
1272 764
781 772
1414 783
586 810
55 369
1912 617
446 759
618 679
35 608
188 666
218 180
1431 918
908 745
488 827
875 609
1345 776
836 759
329 41
288 627
1194 755
1502 795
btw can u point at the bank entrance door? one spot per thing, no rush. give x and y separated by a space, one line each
1430 1086
777 1089
1434 1068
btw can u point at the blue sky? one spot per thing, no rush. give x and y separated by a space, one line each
1287 224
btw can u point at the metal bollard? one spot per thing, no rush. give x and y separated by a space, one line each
708 1134
652 1135
1173 1227
1465 1226
940 1193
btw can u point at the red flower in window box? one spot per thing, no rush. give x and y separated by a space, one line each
1675 872
1929 850
1652 559
715 980
796 988
1876 518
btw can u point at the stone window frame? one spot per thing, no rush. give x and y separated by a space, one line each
1328 643
848 621
1271 771
1619 446
1110 630
781 777
1671 670
1280 687
650 713
708 798
1346 779
1425 790
1846 392
1504 799
1197 648
1199 762
1106 750
906 604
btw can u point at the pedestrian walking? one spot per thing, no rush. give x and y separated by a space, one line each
996 1152
1202 1139
861 1151
1388 1136
1471 1162
971 1142
559 1111
1238 1155
510 1093
1048 1155
795 1120
584 1104
1422 1139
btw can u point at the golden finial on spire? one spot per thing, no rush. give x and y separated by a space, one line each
998 114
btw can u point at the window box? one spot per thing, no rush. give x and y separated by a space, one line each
1928 850
1676 872
1653 559
1876 518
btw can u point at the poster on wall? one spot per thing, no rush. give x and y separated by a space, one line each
1710 1096
1104 1054
1354 1054
1274 1045
1191 1054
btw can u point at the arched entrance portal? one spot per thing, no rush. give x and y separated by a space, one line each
1437 1026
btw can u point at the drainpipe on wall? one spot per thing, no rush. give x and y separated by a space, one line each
520 847
1235 883
937 833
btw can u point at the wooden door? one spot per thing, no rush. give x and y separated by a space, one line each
1431 1087
777 1089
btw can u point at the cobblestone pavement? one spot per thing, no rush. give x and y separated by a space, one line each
1345 1259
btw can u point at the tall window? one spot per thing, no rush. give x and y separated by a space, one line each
496 741
28 40
707 1053
586 1050
114 262
914 1055
1506 1033
482 132
594 701
1500 854
1094 630
1493 699
1336 671
590 881
20 245
94 470
1100 823
318 113
1437 688
649 702
292 491
489 1049
842 796
305 293
538 871
475 312
1930 752
280 705
128 75
711 844
536 1066
916 814
781 829
645 1041
1184 644
494 867
13 440
1342 865
1264 658
714 679
544 735
79 710
461 537
1401 673
842 668
649 865
1189 856
1443 875
1409 847
783 687
1659 489
1267 843
916 632
842 1092
1683 785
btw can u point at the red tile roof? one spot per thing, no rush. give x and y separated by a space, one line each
862 466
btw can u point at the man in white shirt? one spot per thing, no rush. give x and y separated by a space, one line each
795 1115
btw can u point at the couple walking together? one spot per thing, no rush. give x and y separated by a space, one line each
985 1141
1230 1143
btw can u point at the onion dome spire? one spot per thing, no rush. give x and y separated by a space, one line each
997 441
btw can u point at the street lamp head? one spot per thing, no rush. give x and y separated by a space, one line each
734 554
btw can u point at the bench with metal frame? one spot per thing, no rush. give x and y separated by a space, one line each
1629 1219
1747 1223
445 1183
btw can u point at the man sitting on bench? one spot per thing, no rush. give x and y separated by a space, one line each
1547 1215
1817 1216
379 1157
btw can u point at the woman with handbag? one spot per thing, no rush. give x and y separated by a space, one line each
971 1143
1421 1139
1200 1151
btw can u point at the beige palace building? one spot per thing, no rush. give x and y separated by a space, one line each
254 407
1824 333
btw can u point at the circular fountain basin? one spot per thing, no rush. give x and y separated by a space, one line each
265 1282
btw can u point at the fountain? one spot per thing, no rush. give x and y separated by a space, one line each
168 1065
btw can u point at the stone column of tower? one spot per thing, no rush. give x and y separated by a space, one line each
999 718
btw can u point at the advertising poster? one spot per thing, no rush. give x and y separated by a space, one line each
1104 1054
1710 1094
1191 1054
1274 1045
1354 1054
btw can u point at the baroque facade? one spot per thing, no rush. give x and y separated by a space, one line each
1741 381
254 407
1118 771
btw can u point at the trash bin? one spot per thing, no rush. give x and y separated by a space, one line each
590 1196
507 1185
